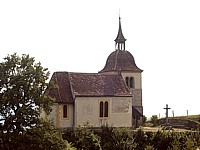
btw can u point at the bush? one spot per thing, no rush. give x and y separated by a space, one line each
154 120
83 138
116 138
127 139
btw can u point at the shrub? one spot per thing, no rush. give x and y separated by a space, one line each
83 138
116 138
127 139
154 120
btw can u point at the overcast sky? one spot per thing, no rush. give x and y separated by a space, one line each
78 36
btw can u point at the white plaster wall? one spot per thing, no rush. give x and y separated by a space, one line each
86 109
120 111
52 115
62 123
69 121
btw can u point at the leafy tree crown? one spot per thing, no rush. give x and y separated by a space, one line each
22 93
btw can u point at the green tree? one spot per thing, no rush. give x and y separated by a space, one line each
86 139
44 136
22 98
154 120
144 119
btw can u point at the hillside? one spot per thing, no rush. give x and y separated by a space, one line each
191 117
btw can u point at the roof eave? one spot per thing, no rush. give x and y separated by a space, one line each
103 95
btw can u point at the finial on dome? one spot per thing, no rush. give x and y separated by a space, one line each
120 40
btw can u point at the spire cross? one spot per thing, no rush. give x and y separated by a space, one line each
167 108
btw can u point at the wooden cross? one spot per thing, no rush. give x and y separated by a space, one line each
167 108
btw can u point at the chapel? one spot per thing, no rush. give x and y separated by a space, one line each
112 96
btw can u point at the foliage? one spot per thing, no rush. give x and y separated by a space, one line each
116 138
144 119
22 98
140 139
154 120
83 138
128 139
161 139
43 136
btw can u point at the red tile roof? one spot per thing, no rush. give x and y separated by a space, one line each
94 84
120 60
87 85
62 93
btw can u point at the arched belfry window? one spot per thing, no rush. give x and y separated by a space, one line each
65 114
132 82
127 81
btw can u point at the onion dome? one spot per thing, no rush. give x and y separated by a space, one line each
120 61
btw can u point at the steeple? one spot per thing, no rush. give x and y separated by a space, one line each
120 40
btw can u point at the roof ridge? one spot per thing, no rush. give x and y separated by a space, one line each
82 73
61 72
116 55
58 89
70 84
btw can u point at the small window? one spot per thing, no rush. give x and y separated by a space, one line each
106 109
103 109
65 114
132 84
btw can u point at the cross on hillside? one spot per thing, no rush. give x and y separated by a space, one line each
167 108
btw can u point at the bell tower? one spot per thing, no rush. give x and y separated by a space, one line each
122 62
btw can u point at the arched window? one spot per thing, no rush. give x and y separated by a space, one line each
106 109
103 109
65 115
127 81
132 84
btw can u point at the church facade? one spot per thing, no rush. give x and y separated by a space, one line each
112 96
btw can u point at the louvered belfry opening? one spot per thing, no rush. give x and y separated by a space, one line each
120 40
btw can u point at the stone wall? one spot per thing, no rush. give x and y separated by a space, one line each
180 123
